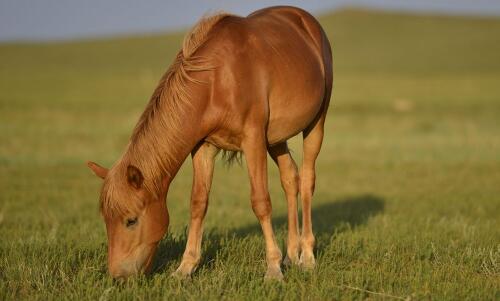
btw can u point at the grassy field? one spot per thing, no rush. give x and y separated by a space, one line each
407 204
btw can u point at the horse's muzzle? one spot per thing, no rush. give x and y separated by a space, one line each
139 263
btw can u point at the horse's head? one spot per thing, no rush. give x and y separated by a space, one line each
135 219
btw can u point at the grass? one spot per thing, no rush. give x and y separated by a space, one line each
407 203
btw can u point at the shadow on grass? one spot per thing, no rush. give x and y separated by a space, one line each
328 218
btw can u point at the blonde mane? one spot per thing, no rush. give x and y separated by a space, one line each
168 104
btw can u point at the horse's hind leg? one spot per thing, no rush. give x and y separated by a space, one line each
203 166
313 137
255 149
290 182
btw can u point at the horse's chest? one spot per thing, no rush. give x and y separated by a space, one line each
225 139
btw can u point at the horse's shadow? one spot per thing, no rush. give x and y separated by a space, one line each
328 218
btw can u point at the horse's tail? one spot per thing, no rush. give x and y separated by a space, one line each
326 51
231 157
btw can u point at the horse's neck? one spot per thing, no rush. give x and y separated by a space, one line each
168 129
160 152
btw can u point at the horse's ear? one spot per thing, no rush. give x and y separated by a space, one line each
99 171
134 177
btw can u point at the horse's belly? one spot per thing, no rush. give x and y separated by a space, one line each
294 118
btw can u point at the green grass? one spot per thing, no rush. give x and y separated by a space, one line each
407 202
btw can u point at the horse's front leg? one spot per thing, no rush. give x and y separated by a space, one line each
255 150
203 166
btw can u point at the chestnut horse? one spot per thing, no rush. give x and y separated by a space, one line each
244 84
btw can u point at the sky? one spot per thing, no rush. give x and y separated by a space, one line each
34 20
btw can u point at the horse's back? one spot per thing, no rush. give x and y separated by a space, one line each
272 65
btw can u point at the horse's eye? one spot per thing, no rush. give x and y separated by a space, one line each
130 222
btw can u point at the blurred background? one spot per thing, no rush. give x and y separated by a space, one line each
407 195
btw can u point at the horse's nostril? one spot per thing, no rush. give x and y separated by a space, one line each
119 279
123 270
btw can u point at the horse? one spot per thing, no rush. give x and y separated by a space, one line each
244 85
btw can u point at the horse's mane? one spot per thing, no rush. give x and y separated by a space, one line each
169 102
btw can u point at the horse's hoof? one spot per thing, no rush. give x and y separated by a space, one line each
180 275
291 261
307 262
274 274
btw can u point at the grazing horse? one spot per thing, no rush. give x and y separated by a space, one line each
240 84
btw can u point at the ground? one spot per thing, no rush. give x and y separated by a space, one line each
407 201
